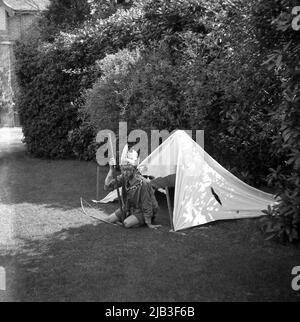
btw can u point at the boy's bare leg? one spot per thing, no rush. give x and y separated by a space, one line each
112 218
131 222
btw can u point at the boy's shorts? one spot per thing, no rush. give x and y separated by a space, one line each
133 212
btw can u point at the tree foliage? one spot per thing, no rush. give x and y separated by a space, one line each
63 15
284 61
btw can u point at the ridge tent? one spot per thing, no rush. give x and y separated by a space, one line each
204 190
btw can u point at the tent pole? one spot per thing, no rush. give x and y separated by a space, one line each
169 208
97 183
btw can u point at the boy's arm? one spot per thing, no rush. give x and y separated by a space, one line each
111 182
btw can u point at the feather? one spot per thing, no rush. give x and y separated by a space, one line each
124 154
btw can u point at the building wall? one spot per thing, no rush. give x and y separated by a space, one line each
18 24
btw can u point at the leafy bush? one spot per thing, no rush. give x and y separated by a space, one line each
106 101
82 139
63 15
46 110
147 23
60 71
52 78
284 61
188 80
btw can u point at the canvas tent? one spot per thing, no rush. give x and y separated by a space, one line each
204 190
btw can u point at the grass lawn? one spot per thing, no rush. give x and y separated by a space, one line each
56 253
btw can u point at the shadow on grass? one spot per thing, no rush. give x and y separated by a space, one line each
57 184
101 262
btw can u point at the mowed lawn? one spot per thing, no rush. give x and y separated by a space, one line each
51 251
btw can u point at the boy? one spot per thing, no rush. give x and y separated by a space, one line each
140 204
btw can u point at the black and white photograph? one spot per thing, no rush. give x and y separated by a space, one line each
149 154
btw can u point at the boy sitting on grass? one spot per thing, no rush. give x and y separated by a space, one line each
139 202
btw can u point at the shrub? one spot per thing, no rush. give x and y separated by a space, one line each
46 110
106 101
283 60
82 139
62 69
53 77
63 15
196 88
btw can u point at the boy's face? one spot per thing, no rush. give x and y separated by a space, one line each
128 171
